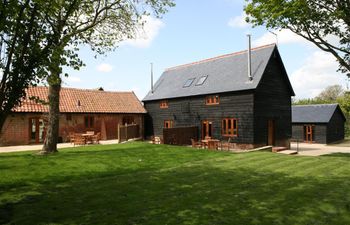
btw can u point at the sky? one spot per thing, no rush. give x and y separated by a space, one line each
194 30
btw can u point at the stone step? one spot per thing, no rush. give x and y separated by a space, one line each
278 149
288 152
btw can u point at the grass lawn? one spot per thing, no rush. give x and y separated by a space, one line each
140 183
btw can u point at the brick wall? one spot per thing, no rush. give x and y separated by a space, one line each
16 128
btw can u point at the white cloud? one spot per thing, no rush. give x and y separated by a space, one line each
284 36
73 79
238 21
317 72
146 34
104 68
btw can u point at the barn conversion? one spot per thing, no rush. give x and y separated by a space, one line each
224 100
81 110
322 123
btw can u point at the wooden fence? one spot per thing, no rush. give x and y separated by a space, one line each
128 132
180 135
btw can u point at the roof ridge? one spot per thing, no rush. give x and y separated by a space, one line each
217 57
328 104
85 89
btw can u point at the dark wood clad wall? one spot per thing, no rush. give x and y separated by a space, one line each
335 127
191 111
298 132
273 102
321 133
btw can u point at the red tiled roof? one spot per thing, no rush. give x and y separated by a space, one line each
91 101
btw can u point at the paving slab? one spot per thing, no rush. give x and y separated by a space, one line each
313 149
21 148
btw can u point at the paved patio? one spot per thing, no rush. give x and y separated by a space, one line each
320 149
21 148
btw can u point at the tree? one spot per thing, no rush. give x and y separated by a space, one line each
38 38
22 50
331 93
318 21
100 24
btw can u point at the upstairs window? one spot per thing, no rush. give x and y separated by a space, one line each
201 80
230 127
212 100
188 82
164 104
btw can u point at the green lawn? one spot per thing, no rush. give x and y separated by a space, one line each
140 183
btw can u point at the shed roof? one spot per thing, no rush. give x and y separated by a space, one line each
321 113
83 101
224 73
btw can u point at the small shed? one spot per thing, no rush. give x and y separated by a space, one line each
323 123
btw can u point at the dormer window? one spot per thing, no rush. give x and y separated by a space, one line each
201 80
212 100
188 82
164 104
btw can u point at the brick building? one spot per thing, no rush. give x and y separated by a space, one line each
81 111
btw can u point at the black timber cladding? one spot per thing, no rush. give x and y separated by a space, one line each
252 103
327 120
272 102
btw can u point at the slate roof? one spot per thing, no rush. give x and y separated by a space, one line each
225 73
314 113
91 101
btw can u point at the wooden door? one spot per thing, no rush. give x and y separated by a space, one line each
37 131
271 132
207 129
309 133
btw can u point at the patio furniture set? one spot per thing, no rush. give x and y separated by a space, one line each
85 138
209 143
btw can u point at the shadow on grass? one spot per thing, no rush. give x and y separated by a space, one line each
199 194
344 155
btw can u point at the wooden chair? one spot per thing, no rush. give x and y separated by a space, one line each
196 144
213 144
79 140
96 138
225 145
156 140
71 137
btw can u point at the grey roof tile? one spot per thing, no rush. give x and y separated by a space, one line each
225 74
321 113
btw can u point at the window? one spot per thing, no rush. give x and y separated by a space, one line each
201 80
212 100
164 104
168 123
89 121
188 82
230 127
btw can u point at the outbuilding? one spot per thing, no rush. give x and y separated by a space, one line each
81 110
323 123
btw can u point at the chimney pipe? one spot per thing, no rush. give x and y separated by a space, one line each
249 58
152 78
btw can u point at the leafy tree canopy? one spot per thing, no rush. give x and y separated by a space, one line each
326 23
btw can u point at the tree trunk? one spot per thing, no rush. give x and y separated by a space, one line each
50 143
